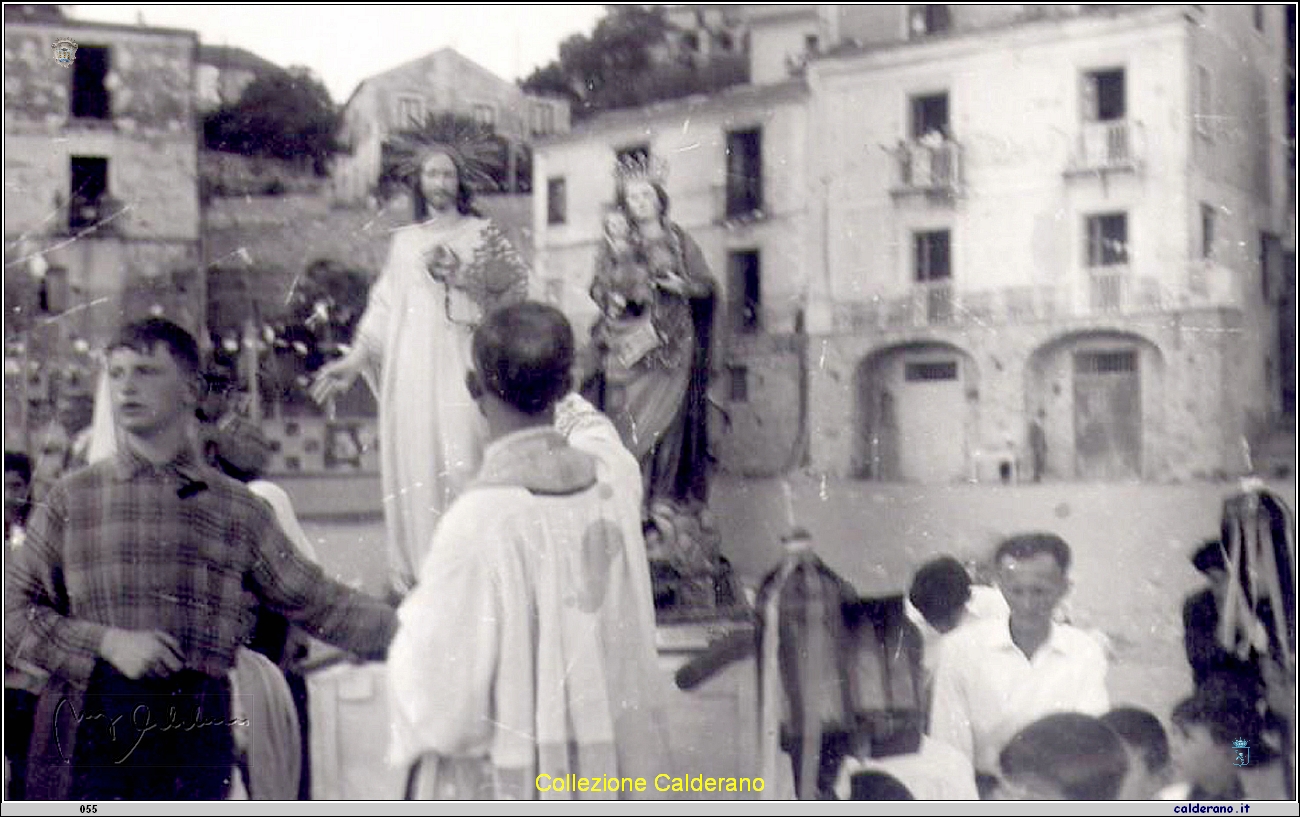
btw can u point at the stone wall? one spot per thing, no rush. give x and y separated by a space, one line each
142 258
759 434
154 178
150 78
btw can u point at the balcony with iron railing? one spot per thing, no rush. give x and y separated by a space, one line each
927 168
1107 147
1097 293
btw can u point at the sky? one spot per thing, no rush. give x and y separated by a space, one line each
344 44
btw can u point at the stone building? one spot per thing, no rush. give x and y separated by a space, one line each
101 204
1015 238
441 82
1068 218
101 207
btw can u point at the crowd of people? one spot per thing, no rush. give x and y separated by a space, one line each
161 595
1020 694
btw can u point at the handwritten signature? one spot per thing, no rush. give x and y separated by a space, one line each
141 721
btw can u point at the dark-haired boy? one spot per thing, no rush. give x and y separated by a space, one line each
1063 756
1147 747
137 585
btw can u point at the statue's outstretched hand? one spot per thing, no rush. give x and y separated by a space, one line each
335 377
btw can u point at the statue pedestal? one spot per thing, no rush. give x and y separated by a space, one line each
713 727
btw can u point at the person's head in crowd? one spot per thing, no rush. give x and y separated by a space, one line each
877 785
153 376
1033 570
1205 728
1064 756
1209 561
18 486
220 381
940 590
52 452
1147 747
523 362
236 447
74 410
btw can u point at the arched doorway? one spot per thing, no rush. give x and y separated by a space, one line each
916 411
1095 397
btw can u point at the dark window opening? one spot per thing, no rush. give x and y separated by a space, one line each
486 116
930 19
1258 13
53 296
556 201
1270 263
726 42
691 41
745 286
744 172
922 372
1121 362
89 94
1107 240
89 189
1104 96
543 120
932 255
739 383
1207 231
811 43
929 115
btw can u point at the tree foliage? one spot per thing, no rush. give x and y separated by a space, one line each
624 64
285 115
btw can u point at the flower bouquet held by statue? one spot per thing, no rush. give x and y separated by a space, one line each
493 276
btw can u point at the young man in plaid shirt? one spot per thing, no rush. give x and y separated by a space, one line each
137 583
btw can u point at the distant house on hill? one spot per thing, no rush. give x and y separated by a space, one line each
442 82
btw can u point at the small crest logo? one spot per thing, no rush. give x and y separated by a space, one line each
65 51
1242 749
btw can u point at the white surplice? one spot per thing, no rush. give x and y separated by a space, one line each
528 644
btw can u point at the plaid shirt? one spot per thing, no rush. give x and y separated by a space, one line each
179 548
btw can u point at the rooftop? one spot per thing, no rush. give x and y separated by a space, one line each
746 94
229 56
70 25
1035 16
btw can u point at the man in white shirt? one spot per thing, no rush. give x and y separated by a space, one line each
996 676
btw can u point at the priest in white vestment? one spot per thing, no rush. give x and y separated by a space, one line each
527 647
